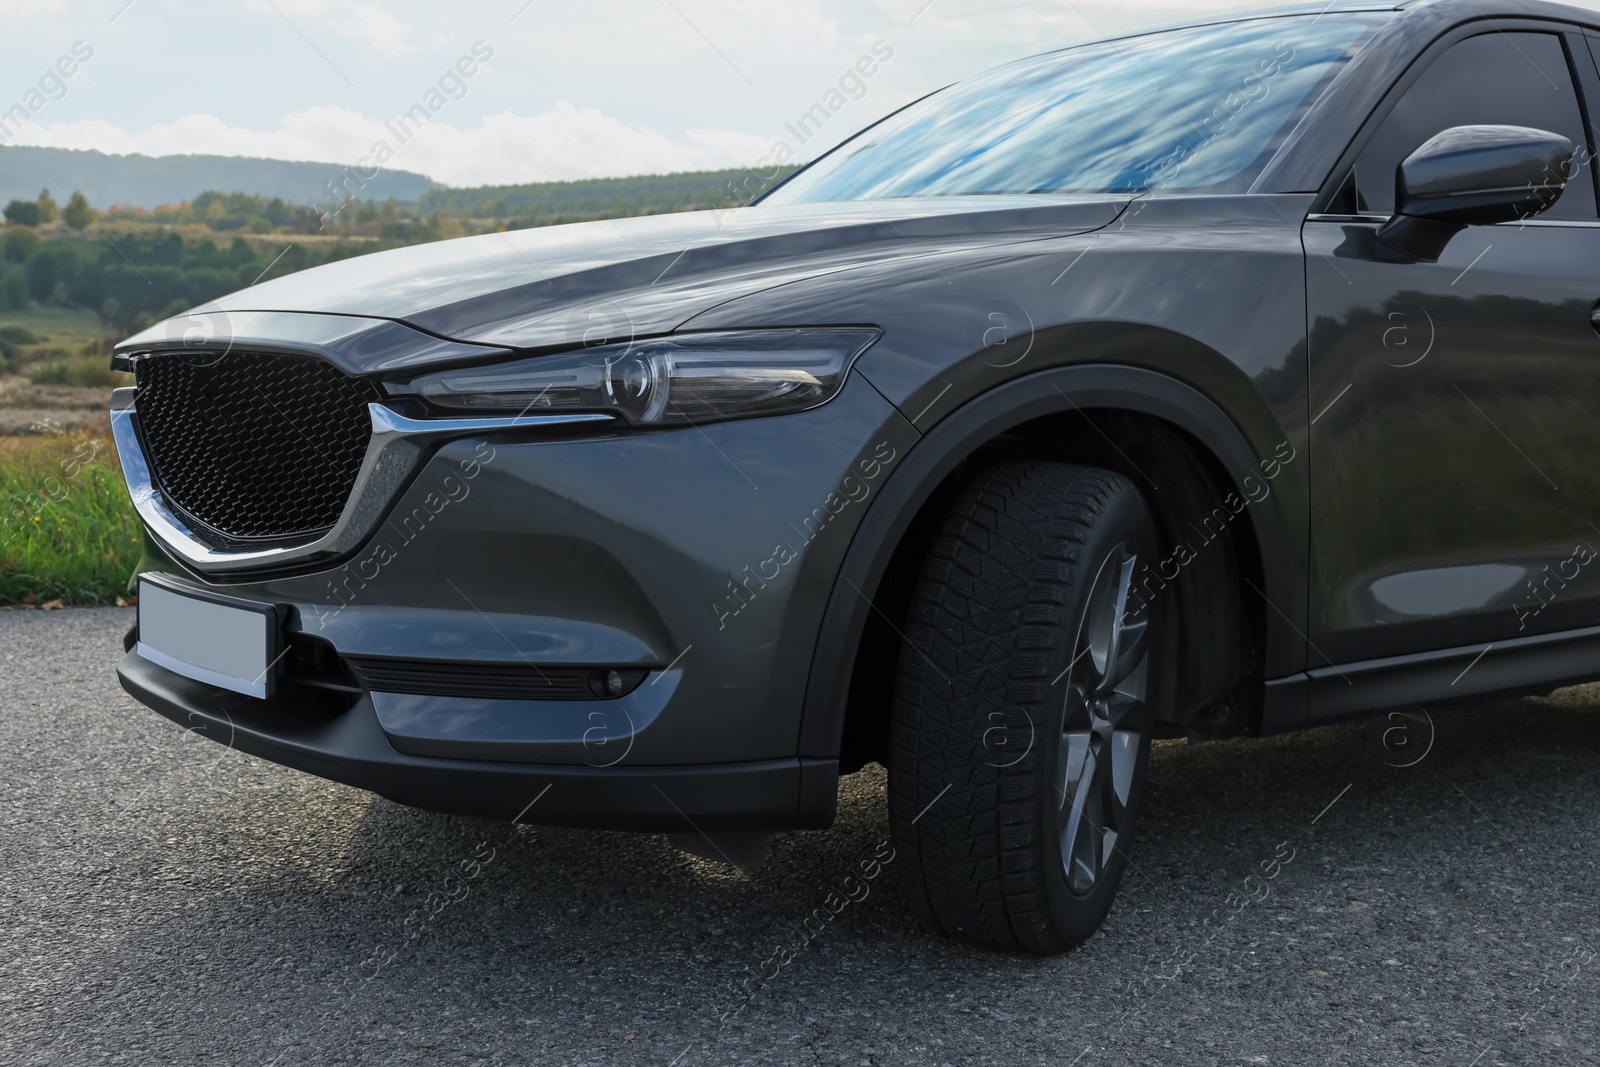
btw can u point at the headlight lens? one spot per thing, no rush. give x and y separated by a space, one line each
687 379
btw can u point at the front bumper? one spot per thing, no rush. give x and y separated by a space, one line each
651 553
766 795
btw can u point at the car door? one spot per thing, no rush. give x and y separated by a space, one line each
1455 406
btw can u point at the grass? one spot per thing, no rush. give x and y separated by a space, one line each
57 346
85 372
64 328
67 529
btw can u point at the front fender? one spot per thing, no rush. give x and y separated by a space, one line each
958 434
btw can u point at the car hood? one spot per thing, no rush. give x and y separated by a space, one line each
595 281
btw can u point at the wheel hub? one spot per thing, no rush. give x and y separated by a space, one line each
1102 722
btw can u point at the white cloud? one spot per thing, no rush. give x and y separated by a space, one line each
563 142
735 147
373 26
568 142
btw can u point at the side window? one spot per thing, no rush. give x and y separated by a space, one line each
1510 79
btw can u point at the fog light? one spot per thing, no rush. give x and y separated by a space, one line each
608 684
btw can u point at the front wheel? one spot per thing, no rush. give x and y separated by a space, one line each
1021 723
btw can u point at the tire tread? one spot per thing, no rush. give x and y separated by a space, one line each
982 637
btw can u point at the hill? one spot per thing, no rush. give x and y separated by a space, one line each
136 264
554 203
146 181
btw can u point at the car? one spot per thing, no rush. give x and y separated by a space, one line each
1216 382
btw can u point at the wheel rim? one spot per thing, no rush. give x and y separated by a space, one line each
1102 727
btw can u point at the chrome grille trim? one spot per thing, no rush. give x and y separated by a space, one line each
253 447
393 451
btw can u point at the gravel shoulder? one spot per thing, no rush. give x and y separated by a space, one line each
1291 901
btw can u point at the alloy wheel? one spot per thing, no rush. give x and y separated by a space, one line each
1103 722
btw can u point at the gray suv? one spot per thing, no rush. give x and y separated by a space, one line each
1150 385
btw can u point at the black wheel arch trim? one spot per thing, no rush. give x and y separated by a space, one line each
954 438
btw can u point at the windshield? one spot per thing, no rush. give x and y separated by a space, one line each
1192 109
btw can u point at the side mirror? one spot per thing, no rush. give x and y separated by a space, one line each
1471 176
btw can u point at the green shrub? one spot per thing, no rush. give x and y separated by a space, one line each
49 374
20 243
18 335
23 213
14 294
82 371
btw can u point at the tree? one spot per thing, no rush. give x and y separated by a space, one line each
44 272
79 213
49 211
14 290
20 242
22 213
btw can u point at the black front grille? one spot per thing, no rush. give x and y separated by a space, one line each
253 445
490 681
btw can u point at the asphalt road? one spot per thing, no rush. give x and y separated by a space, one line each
167 900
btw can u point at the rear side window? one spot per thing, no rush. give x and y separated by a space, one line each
1510 79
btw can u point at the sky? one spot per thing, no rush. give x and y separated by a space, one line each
557 89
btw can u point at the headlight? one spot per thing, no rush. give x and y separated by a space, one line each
687 379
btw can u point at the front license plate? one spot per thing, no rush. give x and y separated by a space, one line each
214 639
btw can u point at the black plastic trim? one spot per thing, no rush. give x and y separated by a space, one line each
1502 668
952 440
1586 73
491 681
766 796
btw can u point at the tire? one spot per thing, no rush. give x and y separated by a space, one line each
1016 759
